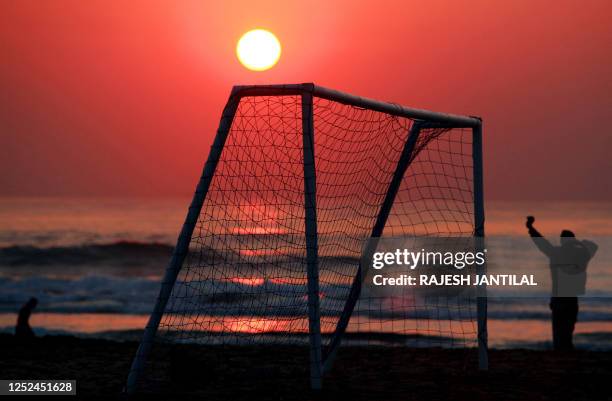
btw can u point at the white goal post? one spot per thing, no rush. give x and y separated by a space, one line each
305 233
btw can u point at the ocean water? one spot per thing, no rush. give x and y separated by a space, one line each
95 265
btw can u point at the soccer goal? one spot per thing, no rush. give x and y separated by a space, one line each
298 179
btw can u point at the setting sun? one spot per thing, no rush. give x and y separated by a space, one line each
258 50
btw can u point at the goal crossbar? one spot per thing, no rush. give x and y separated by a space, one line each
451 120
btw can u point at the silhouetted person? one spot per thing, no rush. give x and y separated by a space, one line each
23 329
568 265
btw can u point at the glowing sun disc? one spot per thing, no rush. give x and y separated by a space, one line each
258 50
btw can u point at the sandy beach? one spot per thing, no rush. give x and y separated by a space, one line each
361 373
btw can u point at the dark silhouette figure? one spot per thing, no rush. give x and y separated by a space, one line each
568 265
23 329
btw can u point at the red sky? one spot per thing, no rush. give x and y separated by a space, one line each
110 98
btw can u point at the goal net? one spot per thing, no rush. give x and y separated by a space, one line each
298 180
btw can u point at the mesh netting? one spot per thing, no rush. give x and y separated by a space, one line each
245 276
357 152
244 280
